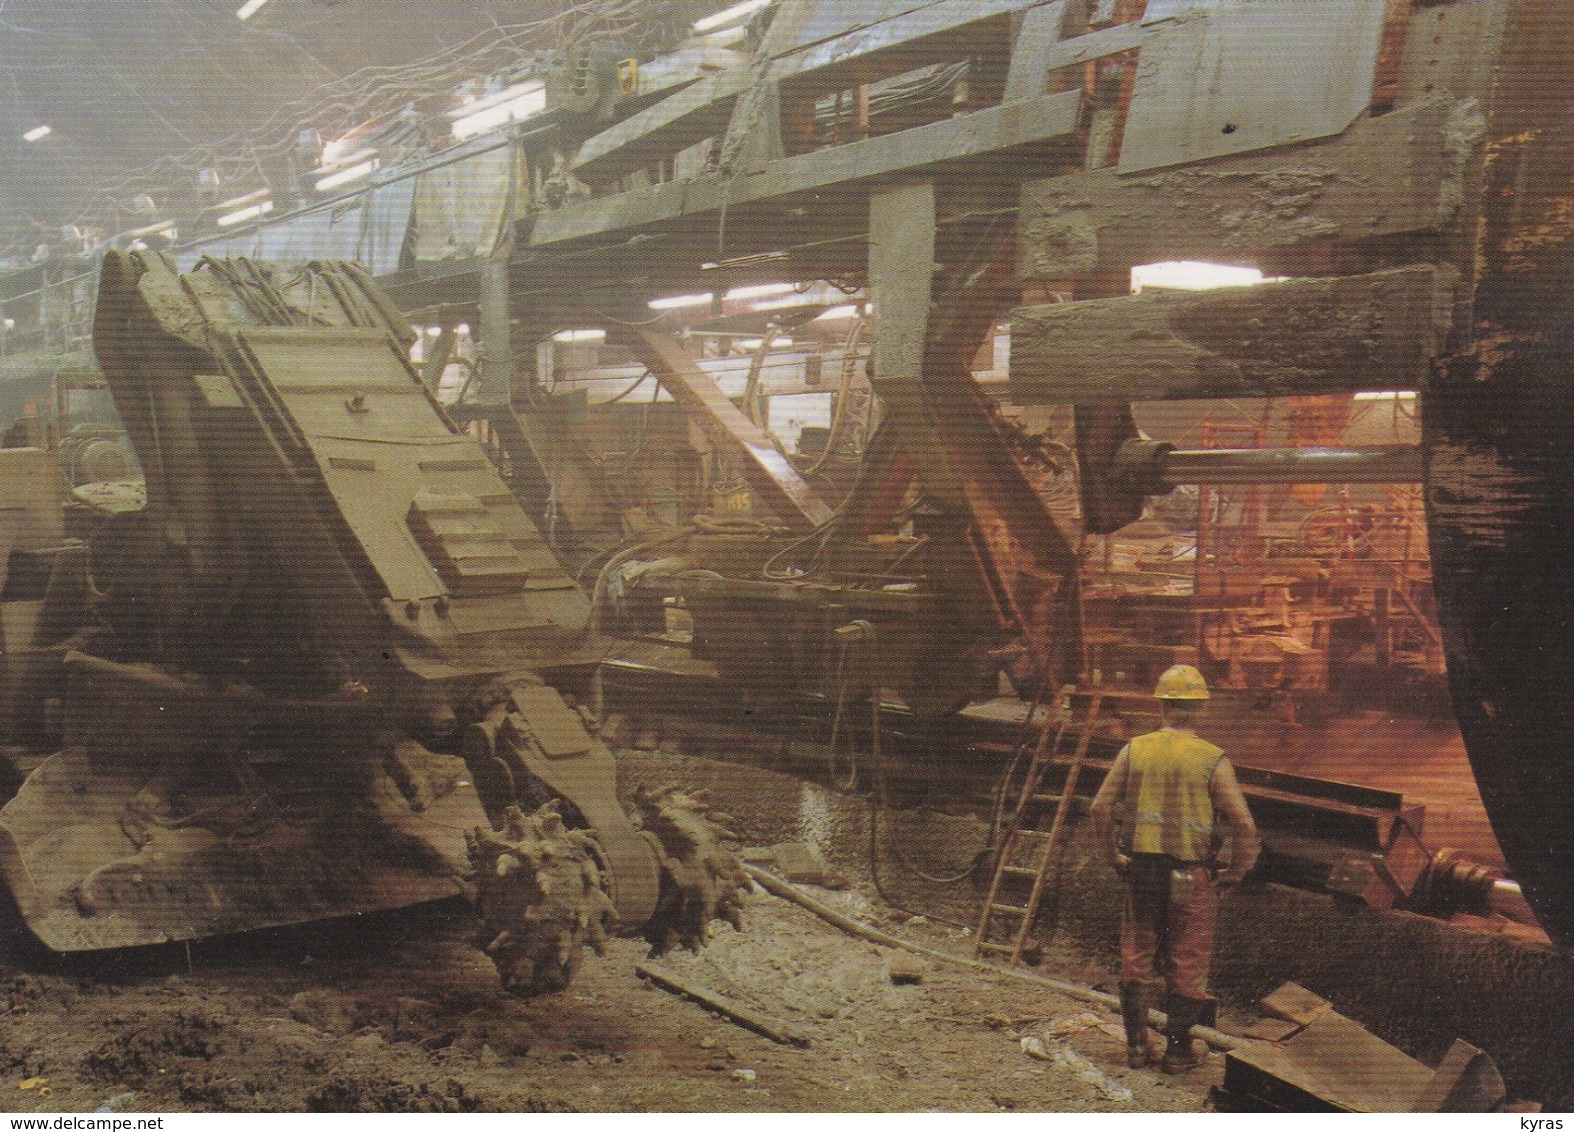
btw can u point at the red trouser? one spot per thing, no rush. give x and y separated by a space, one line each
1167 930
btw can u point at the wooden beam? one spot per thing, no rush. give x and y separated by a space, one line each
901 276
1303 336
1037 38
769 473
849 57
691 115
1403 172
967 138
861 52
901 273
747 1017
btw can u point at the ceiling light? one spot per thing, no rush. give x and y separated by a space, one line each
759 290
677 302
164 228
1402 395
783 304
244 199
249 9
347 173
729 15
511 105
848 310
1190 275
726 37
37 132
579 336
756 343
250 212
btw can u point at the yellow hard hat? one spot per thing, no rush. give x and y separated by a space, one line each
1181 682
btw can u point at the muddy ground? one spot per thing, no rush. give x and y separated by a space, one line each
396 1012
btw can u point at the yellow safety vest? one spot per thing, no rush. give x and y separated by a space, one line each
1169 807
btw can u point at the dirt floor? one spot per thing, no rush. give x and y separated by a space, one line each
395 1012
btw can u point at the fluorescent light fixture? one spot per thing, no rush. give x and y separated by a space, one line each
240 215
849 310
729 15
520 101
249 9
348 173
1406 395
579 336
782 304
37 132
756 343
677 302
726 37
1191 275
244 199
336 152
163 228
759 290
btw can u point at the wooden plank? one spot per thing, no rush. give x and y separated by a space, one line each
769 472
747 1017
1271 1029
890 46
1303 336
996 129
1041 30
1088 48
1404 171
1294 1003
693 114
1466 1081
701 110
1334 1065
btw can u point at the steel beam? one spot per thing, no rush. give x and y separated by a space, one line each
1393 463
768 472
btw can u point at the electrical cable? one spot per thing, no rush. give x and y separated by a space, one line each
879 884
598 592
843 395
751 385
884 807
878 799
850 783
370 92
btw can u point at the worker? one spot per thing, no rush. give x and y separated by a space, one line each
1160 818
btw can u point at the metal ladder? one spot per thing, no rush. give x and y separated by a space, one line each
1029 853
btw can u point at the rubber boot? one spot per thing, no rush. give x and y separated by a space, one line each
1134 1013
1180 1054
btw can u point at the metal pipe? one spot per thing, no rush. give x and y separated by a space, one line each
1506 898
1391 463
